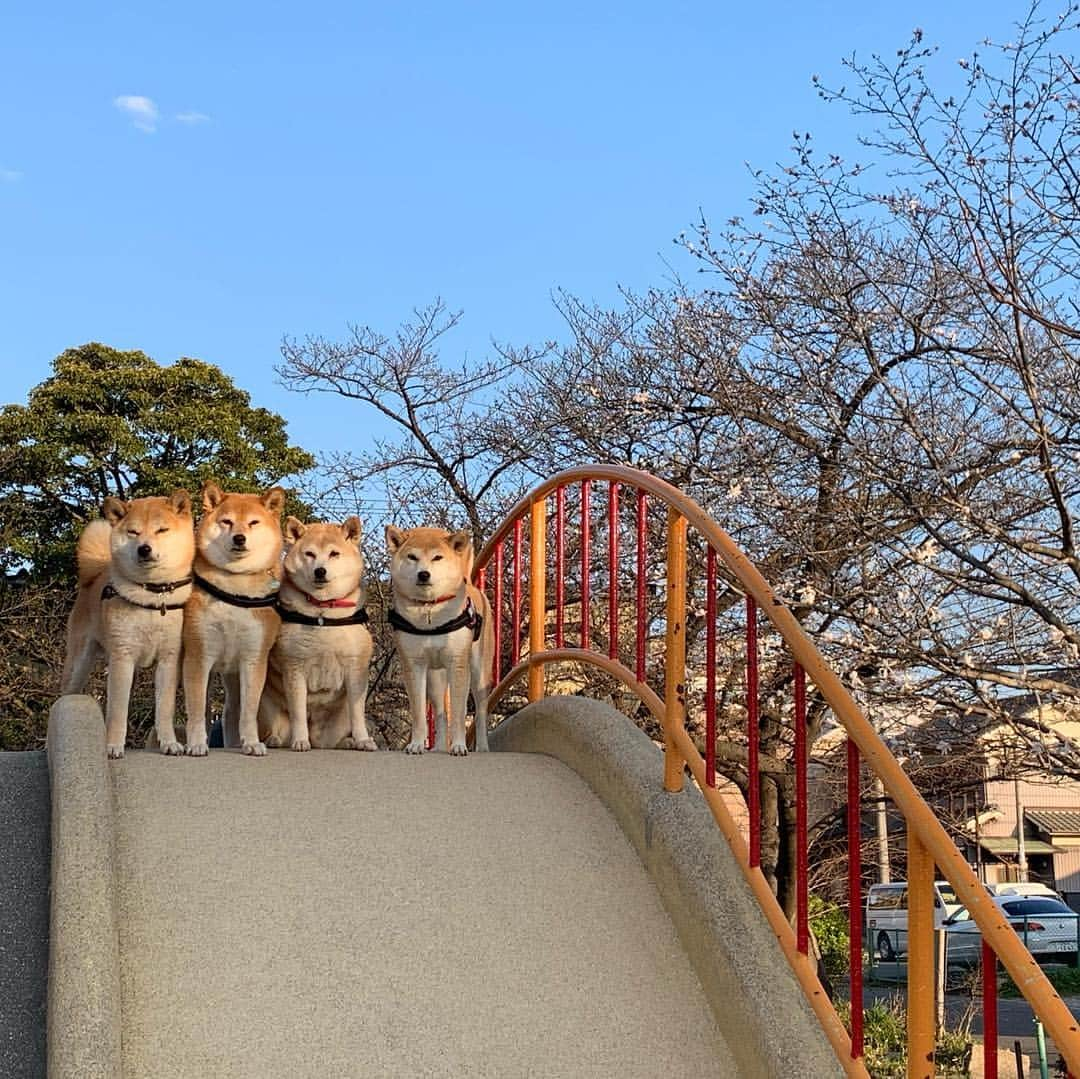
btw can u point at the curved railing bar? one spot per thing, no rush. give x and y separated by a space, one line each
996 931
649 697
804 968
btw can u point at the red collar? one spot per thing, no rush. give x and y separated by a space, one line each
432 602
440 599
324 603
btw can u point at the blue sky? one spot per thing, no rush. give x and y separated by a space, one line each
199 179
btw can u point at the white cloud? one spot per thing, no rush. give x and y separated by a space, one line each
9 176
141 110
192 118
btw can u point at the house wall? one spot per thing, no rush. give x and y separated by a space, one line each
1033 795
1067 876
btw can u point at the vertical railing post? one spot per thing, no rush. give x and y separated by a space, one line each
753 776
497 613
675 666
613 570
560 560
642 569
802 872
586 558
990 1016
920 955
855 930
537 593
710 667
515 640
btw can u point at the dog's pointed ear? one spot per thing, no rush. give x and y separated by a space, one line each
212 495
294 529
180 502
351 527
460 542
274 499
113 510
394 539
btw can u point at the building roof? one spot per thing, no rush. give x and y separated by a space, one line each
1055 821
1006 844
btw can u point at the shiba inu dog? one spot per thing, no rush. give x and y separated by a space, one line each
134 579
316 686
444 633
230 622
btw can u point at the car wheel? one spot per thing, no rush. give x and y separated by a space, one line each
885 948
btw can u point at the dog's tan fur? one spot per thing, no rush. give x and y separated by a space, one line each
238 549
441 668
317 681
147 541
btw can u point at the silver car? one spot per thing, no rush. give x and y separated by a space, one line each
1046 926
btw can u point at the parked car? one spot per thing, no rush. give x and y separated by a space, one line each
887 915
1023 888
1046 926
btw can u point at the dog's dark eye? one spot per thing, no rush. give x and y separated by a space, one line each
160 530
436 558
335 554
132 531
309 554
413 558
252 524
226 522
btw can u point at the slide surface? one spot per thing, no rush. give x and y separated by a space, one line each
345 914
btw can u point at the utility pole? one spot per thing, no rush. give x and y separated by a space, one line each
884 876
1021 848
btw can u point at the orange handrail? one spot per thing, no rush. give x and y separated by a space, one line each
932 844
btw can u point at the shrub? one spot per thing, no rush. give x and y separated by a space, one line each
885 1041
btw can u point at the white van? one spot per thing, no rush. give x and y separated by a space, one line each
887 915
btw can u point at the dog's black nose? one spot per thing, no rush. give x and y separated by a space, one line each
239 541
320 573
423 576
144 550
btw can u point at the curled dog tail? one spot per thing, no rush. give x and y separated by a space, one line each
92 553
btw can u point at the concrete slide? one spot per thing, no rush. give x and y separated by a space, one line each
545 910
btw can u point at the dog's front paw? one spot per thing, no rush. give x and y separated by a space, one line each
115 752
366 744
301 745
171 749
196 749
254 749
459 749
415 747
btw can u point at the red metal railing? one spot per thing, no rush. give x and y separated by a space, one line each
661 662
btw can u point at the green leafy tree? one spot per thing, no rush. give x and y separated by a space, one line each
118 423
107 423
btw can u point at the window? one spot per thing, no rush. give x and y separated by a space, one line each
888 898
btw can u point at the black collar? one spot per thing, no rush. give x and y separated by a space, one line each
108 592
289 615
468 617
232 598
167 586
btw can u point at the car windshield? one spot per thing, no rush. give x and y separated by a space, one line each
1036 906
945 890
962 915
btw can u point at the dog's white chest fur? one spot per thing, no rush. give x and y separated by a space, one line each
232 635
440 652
326 655
142 635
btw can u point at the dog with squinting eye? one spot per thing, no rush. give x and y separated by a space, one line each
134 579
444 633
316 686
231 621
